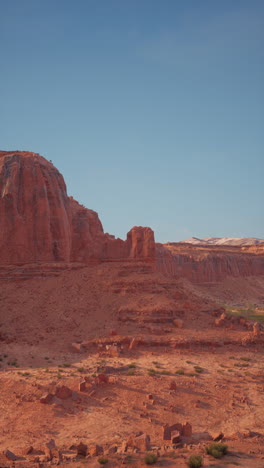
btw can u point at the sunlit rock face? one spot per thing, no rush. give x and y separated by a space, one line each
40 223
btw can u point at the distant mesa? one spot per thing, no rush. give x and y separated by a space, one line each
224 241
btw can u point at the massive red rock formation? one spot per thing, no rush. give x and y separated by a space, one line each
40 223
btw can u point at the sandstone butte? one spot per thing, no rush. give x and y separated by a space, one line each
41 223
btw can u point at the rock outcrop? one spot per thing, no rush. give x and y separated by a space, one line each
40 223
208 266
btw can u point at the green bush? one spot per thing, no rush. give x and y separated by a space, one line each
152 372
217 450
102 460
195 461
150 458
179 372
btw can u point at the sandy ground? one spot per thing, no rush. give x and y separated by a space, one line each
107 304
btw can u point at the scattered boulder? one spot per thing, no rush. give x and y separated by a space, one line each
219 322
167 430
141 442
173 385
175 437
9 455
178 323
102 379
63 392
82 386
46 398
77 347
28 450
123 447
112 350
256 329
48 449
81 449
112 449
95 450
186 430
216 436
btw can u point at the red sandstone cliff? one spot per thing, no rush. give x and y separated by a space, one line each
208 264
39 222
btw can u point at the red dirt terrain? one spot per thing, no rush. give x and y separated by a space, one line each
110 349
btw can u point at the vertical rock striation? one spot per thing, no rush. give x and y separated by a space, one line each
40 223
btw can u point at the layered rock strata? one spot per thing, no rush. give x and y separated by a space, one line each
40 223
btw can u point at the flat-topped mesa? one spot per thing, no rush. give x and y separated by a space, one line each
208 266
40 223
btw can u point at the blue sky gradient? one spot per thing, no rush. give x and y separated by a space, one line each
153 110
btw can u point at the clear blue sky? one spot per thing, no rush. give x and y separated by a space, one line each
153 110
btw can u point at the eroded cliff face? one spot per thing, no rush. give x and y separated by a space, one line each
40 223
208 266
33 210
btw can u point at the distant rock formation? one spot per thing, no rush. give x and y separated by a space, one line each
206 264
234 241
40 223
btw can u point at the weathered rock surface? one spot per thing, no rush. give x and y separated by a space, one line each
209 264
40 223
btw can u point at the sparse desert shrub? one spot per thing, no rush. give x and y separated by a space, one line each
80 369
217 450
165 372
150 458
195 461
66 364
152 371
156 364
102 460
131 372
198 369
179 372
